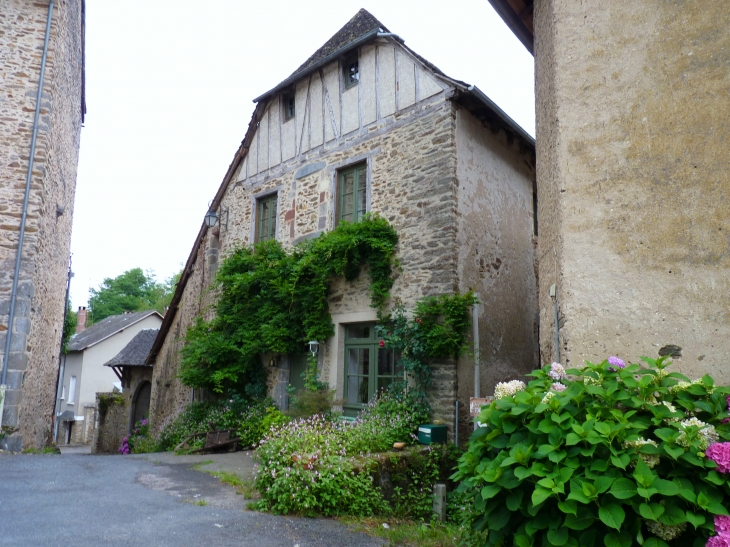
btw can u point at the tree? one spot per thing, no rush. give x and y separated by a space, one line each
132 291
69 327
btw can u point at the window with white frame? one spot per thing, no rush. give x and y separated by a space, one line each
71 390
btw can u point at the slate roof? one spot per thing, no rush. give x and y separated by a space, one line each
106 328
362 25
135 353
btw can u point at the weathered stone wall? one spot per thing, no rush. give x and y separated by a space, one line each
633 121
33 361
411 175
169 395
496 246
112 418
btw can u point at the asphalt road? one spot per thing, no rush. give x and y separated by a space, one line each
84 500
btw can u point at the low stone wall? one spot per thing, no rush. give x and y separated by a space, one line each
112 418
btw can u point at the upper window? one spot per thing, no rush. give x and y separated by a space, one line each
289 104
71 390
352 204
266 218
352 70
369 368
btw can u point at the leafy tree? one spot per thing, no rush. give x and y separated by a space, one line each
132 291
69 327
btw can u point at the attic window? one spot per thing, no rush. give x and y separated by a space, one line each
352 70
289 104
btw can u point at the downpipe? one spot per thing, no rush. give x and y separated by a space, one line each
29 176
61 359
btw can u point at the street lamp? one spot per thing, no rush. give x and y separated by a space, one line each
211 217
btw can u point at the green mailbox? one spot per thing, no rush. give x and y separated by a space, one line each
431 434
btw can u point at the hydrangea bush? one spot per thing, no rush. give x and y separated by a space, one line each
611 454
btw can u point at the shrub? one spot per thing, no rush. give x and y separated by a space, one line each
320 465
237 413
391 416
617 456
139 441
306 468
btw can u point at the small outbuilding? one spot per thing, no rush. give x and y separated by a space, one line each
136 376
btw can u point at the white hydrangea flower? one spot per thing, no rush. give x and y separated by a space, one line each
679 386
708 434
508 389
670 406
557 386
660 374
698 382
651 460
665 531
545 400
557 372
590 381
638 443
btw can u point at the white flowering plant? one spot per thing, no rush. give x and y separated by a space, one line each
614 454
323 466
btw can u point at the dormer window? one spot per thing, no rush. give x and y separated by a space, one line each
289 104
352 70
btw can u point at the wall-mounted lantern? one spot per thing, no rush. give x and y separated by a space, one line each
313 347
212 217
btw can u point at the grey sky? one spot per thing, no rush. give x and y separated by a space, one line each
169 85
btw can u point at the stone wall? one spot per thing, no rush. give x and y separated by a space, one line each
33 362
633 117
496 243
169 395
411 174
112 418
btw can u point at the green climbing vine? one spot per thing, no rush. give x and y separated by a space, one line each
275 300
437 329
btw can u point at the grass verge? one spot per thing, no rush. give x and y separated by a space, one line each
403 532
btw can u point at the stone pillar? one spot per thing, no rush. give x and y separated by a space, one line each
632 162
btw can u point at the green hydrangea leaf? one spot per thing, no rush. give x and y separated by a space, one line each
540 495
618 539
623 489
514 500
651 511
612 515
490 491
558 537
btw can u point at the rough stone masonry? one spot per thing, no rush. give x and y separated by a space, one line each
35 344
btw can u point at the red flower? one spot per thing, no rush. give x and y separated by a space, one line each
382 343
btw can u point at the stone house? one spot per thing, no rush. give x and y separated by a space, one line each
41 112
633 120
84 373
367 125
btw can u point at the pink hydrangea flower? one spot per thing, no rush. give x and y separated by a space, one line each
616 362
557 372
722 524
718 541
720 454
557 386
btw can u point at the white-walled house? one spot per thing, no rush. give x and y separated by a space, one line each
85 374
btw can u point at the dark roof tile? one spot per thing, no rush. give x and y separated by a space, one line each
135 353
105 328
